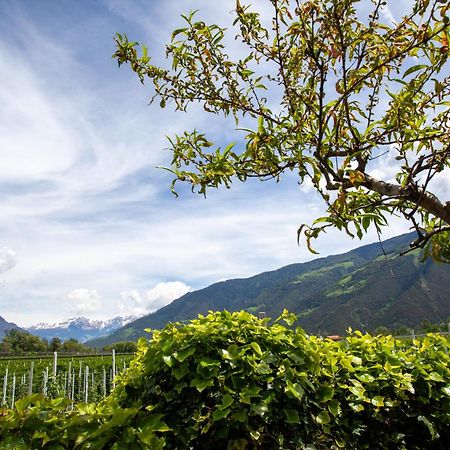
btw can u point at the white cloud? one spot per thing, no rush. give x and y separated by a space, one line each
84 301
386 166
8 259
132 302
34 141
164 293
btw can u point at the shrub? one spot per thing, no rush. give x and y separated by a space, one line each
232 381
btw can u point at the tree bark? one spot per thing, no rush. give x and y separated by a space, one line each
426 200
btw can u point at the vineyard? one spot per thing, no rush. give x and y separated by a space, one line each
80 378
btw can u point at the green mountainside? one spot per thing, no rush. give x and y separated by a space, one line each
362 289
5 326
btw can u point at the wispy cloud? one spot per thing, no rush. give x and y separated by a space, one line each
164 293
84 301
132 302
8 259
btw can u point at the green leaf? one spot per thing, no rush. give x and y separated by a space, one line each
357 407
151 440
260 409
42 435
168 360
430 427
446 390
119 418
263 368
288 318
153 423
377 401
323 418
414 69
324 394
226 401
257 348
295 389
357 390
220 414
24 403
202 384
240 416
291 416
177 32
180 371
334 407
185 353
435 377
255 435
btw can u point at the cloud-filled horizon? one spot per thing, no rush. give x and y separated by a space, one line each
88 225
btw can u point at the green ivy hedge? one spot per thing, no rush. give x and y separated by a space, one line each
232 381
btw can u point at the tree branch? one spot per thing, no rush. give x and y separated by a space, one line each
424 199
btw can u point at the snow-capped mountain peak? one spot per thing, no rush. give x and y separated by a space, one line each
80 328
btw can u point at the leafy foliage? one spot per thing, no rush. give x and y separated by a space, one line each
232 381
122 347
20 342
331 88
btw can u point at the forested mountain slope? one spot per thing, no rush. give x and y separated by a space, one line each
363 289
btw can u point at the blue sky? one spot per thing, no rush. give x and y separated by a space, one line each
88 225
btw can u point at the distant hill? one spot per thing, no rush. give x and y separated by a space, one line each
5 326
79 328
362 289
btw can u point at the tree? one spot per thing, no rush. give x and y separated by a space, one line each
122 347
73 346
331 88
19 342
55 344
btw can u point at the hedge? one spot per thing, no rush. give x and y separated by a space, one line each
233 381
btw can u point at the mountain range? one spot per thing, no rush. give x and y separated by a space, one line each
5 326
79 328
366 288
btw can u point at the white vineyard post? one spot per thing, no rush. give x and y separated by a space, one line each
73 388
86 384
114 368
45 380
30 384
79 380
13 393
5 386
69 379
55 362
104 382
